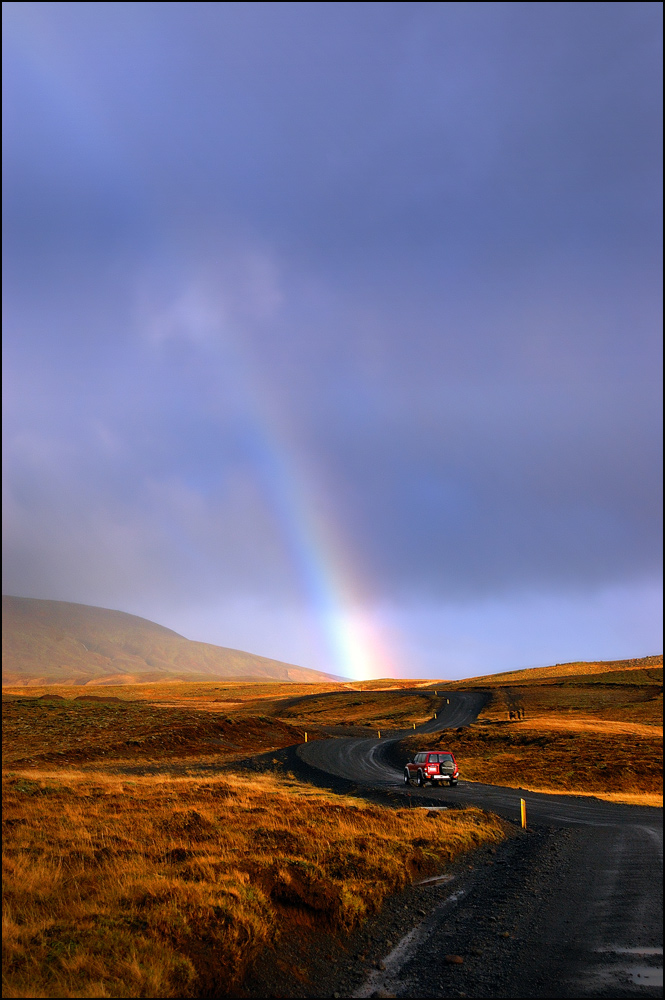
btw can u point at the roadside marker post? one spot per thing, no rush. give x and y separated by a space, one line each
305 737
523 813
435 715
414 725
379 732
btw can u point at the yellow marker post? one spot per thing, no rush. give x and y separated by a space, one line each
305 737
379 732
414 725
435 715
523 812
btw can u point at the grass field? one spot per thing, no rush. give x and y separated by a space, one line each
166 887
174 692
564 671
119 884
208 691
619 696
386 709
40 731
380 704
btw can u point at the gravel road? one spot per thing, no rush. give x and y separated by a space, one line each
570 908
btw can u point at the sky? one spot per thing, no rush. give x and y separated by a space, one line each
333 330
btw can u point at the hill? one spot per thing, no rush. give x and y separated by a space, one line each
55 642
582 671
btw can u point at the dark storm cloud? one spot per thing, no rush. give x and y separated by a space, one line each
412 250
343 126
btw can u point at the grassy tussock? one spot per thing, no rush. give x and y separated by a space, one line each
162 887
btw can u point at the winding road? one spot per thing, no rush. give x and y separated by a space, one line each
580 893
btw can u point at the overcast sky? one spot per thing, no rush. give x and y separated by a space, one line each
332 330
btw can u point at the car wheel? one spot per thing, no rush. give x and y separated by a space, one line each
407 777
453 784
420 781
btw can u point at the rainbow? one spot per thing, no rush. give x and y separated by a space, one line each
351 639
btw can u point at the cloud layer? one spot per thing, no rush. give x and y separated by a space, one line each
343 315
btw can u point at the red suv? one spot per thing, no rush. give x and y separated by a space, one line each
435 766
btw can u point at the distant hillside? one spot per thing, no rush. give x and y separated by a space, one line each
565 671
55 642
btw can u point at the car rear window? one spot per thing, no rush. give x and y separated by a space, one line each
440 758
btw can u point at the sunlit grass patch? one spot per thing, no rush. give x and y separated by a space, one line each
576 669
652 799
170 886
629 696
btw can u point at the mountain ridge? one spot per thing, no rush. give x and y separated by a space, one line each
60 642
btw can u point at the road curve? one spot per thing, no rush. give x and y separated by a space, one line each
597 934
364 761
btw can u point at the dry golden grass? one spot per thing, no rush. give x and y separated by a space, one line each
162 887
170 886
386 709
234 691
582 725
306 706
640 701
624 798
36 731
171 692
562 671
